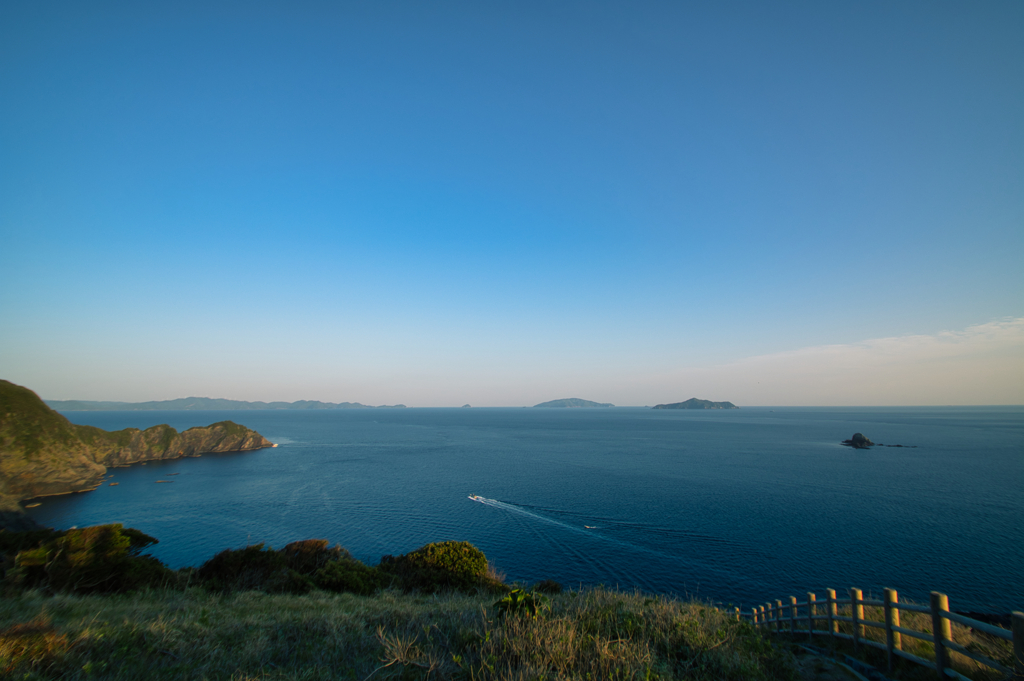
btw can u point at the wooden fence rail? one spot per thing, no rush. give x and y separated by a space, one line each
786 617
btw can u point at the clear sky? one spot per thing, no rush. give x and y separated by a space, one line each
438 203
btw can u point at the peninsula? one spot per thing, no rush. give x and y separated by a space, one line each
205 404
42 453
694 403
572 402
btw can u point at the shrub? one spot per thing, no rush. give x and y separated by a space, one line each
101 558
440 566
548 586
288 582
518 601
12 543
349 575
251 569
310 555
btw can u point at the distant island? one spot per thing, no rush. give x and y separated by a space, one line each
205 404
42 453
694 403
572 402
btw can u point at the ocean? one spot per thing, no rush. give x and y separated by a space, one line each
733 507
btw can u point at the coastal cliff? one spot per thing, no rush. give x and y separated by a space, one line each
42 453
132 445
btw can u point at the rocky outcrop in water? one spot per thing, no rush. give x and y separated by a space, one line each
858 441
42 453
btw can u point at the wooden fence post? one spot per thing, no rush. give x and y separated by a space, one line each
778 615
737 614
792 615
857 613
812 610
1018 644
893 639
760 612
942 631
753 615
833 626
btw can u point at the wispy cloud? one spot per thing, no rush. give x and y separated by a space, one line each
983 364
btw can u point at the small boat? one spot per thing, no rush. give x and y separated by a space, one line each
113 484
165 481
476 497
590 527
33 505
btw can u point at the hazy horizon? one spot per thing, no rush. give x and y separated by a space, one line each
794 204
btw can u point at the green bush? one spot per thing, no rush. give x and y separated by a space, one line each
290 570
310 555
349 575
288 582
252 569
441 566
518 602
13 543
548 586
102 558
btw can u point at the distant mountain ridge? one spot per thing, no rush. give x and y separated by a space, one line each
572 402
204 404
694 403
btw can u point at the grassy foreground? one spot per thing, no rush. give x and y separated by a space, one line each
196 634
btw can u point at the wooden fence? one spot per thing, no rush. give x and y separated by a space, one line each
785 617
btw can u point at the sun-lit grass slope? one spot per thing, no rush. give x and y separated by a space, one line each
196 634
87 603
40 450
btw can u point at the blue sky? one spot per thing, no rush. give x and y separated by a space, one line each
500 204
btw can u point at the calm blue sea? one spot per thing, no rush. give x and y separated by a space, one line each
729 506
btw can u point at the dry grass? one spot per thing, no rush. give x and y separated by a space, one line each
592 634
34 645
978 642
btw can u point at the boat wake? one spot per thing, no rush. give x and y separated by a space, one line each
513 508
675 546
